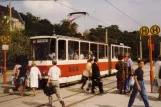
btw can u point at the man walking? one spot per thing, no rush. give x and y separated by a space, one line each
96 78
53 81
139 86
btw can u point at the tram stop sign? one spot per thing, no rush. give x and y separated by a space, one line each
155 30
144 31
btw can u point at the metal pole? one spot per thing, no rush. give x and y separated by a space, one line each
151 62
106 36
160 48
10 15
141 48
4 74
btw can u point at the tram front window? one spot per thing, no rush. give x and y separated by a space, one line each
40 49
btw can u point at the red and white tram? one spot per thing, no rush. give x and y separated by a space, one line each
72 54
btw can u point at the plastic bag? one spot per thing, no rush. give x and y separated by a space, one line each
155 86
131 81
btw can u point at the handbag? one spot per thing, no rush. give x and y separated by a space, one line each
131 81
48 91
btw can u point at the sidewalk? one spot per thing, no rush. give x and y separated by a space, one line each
5 88
113 99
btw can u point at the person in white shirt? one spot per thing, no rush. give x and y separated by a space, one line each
14 73
157 69
53 80
52 55
33 76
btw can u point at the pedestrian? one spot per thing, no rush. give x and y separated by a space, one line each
2 69
53 81
157 70
34 77
129 63
139 86
21 78
87 74
14 73
122 74
96 77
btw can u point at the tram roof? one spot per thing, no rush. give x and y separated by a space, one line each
65 37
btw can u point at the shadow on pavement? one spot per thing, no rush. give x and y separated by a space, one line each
32 103
74 89
138 106
104 105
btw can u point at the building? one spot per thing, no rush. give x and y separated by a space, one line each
17 22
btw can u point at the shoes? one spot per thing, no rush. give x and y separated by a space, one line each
82 89
62 103
87 89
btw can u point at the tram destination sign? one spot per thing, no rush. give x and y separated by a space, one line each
40 40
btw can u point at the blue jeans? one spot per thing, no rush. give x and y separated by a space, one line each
126 87
142 93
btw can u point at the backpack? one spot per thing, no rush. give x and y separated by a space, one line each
160 73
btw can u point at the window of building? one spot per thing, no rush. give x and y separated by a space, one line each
62 50
73 50
84 50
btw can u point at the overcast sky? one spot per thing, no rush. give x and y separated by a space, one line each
146 12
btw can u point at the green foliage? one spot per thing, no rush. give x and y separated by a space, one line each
35 26
20 46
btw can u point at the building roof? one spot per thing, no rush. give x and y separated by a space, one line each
15 14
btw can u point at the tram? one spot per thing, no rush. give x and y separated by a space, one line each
71 55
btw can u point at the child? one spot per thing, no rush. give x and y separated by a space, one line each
139 86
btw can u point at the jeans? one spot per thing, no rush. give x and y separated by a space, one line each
142 93
126 87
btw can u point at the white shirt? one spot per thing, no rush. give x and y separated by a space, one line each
52 55
16 68
34 72
81 57
54 73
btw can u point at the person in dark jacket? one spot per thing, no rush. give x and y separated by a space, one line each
96 77
21 77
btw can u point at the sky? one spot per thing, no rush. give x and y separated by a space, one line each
145 12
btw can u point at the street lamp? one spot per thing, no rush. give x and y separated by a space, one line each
106 34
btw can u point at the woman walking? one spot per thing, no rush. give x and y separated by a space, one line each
33 76
121 75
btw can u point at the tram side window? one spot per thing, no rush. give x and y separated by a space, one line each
93 51
101 52
126 51
107 51
84 50
121 51
62 50
52 48
116 52
73 50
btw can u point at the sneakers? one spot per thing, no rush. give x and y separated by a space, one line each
82 89
62 103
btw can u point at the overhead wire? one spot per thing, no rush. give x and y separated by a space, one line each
78 11
123 13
